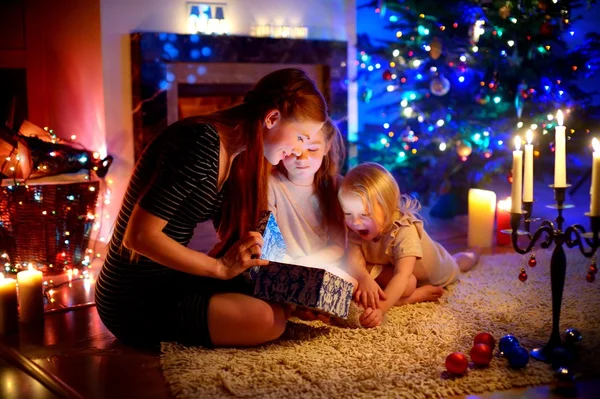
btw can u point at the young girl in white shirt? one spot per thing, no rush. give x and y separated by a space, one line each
303 198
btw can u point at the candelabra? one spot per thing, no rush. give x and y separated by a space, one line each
572 236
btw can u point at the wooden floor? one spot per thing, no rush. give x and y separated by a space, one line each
74 355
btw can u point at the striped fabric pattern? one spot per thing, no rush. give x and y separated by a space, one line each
175 179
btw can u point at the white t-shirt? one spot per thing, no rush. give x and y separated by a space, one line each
296 210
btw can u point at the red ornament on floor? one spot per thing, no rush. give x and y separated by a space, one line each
532 262
523 275
590 277
481 354
485 338
593 268
456 363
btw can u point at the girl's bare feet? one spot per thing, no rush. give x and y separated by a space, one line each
426 293
468 259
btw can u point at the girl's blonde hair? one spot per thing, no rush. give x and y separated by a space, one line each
373 183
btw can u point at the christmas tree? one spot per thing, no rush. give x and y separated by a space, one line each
461 79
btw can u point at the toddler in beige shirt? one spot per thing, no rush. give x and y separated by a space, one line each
390 254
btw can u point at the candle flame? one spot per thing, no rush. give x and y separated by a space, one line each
518 143
505 205
559 118
529 136
596 144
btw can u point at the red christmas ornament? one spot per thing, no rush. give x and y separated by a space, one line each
481 354
523 275
590 277
387 75
456 363
532 262
593 268
546 29
485 338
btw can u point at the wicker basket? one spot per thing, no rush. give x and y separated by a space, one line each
46 224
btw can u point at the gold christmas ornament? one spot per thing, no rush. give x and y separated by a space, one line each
436 48
463 148
504 11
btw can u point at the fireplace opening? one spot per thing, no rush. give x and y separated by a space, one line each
203 99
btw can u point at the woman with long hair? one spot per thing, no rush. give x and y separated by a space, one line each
153 288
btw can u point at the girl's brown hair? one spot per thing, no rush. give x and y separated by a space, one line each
296 97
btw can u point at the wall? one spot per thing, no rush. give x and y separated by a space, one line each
64 69
326 19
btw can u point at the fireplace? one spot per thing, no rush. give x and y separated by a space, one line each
175 76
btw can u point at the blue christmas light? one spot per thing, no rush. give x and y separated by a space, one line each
461 79
393 18
419 76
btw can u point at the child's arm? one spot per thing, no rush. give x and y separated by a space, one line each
368 292
403 269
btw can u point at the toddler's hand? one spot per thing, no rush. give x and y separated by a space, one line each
371 318
369 293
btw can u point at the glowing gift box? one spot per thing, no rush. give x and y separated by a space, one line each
313 287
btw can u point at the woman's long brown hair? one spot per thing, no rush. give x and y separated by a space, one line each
296 97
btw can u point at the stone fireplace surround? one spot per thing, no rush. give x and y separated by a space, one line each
162 62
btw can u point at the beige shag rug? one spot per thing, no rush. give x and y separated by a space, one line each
404 358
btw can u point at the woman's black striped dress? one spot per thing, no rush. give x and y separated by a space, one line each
143 302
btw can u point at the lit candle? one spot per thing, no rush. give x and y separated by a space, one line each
517 177
528 176
31 295
560 161
595 189
503 221
482 206
9 316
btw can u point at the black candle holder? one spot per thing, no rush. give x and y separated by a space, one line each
572 236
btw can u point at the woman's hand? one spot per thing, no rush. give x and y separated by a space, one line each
241 256
369 293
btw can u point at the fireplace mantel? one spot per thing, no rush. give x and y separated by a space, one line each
156 58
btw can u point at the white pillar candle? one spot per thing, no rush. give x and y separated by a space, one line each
482 208
560 157
31 295
595 189
517 177
9 316
528 176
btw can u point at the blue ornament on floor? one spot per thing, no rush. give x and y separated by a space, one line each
518 357
561 358
572 336
506 343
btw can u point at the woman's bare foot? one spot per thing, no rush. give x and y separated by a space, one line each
468 259
426 293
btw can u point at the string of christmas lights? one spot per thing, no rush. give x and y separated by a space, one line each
455 82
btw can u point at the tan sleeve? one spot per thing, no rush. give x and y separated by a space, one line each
407 243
